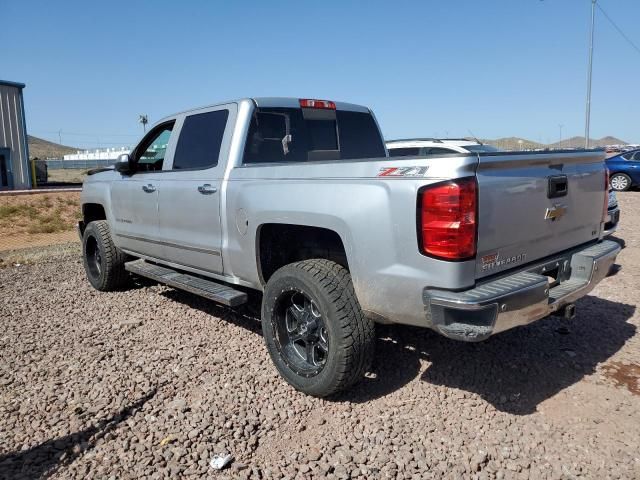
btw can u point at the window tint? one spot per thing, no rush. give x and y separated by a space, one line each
404 152
278 135
200 139
480 148
323 135
636 156
359 136
438 150
149 155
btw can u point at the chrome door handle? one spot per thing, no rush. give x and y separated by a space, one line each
149 188
207 189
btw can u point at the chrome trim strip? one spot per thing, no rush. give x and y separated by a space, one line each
169 244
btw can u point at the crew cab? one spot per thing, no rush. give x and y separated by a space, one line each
298 200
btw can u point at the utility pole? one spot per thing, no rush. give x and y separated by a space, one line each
60 136
589 72
144 119
560 126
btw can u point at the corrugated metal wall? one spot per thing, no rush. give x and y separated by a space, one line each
13 134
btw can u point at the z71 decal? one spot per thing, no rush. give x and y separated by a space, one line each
403 171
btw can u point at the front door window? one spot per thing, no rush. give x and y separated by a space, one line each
149 155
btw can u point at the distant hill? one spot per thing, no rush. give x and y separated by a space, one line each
514 143
578 142
44 149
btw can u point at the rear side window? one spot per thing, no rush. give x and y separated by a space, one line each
438 150
480 148
200 139
291 135
404 152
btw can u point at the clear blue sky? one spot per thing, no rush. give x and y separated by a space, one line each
497 67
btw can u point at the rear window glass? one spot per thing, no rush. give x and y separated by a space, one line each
404 152
200 140
288 135
438 151
480 148
359 136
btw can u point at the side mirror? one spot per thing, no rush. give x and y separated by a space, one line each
123 163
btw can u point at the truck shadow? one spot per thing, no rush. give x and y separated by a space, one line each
44 460
246 316
514 371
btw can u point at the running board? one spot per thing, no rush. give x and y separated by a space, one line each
205 288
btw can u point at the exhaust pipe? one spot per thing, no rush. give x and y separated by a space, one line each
569 311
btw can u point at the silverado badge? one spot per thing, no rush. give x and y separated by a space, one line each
493 260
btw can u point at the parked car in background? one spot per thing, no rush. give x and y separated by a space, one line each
412 147
624 170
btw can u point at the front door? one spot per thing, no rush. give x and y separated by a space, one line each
4 169
134 197
189 196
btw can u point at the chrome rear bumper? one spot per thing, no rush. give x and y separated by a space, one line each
520 298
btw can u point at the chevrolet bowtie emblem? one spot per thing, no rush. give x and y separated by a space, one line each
555 212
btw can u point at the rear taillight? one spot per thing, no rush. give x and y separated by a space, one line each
606 195
321 104
447 219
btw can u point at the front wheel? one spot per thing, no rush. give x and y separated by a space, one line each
620 182
314 329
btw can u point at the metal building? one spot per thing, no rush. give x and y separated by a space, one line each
14 150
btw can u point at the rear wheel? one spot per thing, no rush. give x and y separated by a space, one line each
620 182
316 333
103 261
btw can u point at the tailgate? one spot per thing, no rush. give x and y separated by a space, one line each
532 205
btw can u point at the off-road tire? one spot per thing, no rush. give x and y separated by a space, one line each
111 274
351 336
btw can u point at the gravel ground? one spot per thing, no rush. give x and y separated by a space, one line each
152 382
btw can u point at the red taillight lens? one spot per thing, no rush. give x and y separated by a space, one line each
448 219
321 104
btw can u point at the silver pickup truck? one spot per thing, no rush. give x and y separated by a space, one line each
297 199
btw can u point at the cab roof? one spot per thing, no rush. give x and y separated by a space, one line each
272 102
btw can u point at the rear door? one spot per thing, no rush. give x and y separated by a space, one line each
536 204
190 194
134 197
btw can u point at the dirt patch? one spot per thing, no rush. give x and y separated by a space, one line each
39 219
624 375
67 175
